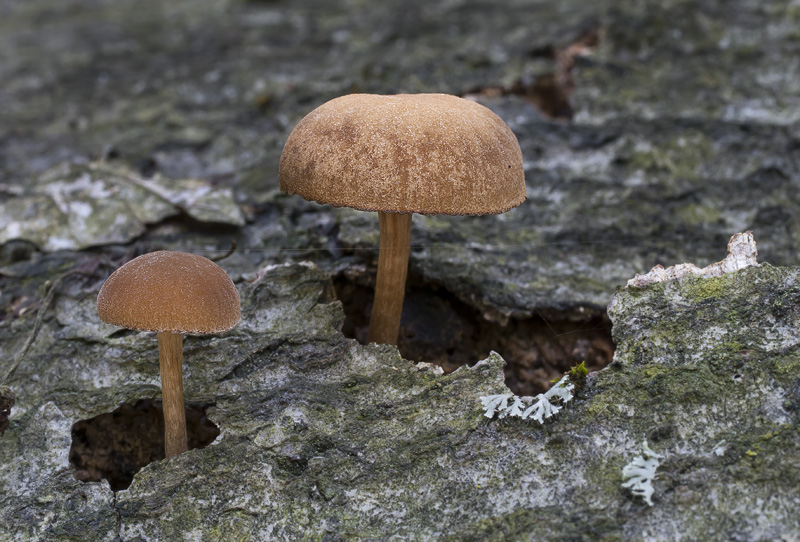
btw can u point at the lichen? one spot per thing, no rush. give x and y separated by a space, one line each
638 475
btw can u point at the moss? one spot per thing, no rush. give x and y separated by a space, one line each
585 524
695 214
602 404
700 289
788 366
605 476
680 157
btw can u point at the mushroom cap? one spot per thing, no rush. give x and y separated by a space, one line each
172 292
407 153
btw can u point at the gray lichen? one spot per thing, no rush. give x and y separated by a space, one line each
72 207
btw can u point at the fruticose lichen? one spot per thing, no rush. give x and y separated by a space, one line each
541 407
640 472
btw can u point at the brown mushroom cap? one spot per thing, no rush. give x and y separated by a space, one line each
172 292
409 153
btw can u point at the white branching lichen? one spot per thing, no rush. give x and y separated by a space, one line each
541 407
639 473
492 404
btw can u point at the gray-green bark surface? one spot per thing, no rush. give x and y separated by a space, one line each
322 438
133 126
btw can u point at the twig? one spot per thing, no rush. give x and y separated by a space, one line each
38 324
230 251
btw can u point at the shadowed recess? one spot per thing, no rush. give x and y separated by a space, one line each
116 445
550 93
6 402
439 328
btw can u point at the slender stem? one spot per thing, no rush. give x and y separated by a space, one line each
170 348
384 324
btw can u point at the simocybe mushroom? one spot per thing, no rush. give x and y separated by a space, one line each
171 293
398 155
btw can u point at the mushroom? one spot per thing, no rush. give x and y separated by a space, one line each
398 155
171 293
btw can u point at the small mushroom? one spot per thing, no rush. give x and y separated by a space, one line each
403 154
171 293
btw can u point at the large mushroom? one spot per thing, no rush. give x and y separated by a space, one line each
398 155
171 293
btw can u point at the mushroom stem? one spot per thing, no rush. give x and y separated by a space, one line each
170 348
384 324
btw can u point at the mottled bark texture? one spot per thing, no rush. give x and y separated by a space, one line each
131 126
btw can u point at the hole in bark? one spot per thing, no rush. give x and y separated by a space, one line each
116 445
7 400
551 92
439 328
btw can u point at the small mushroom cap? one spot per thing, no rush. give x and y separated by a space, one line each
408 153
172 292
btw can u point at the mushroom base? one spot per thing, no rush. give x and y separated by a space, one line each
437 327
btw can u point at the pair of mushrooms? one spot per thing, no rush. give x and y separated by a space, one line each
397 155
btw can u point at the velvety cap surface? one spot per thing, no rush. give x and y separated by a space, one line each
409 153
172 292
